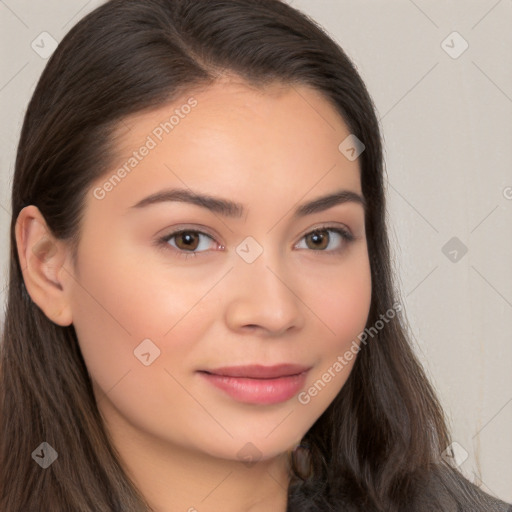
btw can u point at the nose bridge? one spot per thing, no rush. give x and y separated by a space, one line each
263 294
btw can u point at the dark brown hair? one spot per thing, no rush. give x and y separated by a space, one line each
377 447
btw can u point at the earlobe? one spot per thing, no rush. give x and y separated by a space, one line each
42 258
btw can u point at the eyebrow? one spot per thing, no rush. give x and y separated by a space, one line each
232 209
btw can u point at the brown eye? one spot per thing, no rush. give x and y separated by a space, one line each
187 242
319 239
190 240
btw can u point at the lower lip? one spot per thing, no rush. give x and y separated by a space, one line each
258 391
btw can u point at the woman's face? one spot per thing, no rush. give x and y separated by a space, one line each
245 285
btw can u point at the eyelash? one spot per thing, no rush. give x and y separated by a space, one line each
164 241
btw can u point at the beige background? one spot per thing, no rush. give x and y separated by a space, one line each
447 125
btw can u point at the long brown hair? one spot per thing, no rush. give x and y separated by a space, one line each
377 447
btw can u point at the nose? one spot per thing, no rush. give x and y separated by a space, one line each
262 296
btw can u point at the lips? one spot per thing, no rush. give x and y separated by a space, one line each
255 371
256 384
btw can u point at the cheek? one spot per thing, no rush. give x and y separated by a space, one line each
118 308
344 303
347 312
343 307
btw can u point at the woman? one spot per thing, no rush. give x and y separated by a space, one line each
181 333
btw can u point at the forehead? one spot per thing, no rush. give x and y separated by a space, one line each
239 140
285 113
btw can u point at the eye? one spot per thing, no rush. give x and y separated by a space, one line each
187 241
320 239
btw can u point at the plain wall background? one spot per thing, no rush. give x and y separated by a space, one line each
446 118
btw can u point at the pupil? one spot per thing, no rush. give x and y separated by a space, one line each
317 237
187 237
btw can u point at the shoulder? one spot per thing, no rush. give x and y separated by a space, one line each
449 491
440 489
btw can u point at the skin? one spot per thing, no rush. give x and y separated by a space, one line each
178 436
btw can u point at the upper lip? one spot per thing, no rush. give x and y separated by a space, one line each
257 371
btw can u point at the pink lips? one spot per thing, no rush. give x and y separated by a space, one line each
256 384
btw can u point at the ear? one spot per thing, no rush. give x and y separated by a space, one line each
42 258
